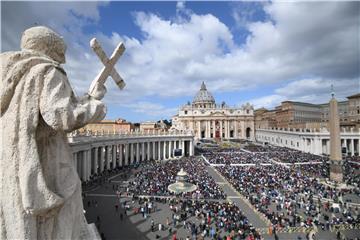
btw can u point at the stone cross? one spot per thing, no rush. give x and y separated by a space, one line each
109 64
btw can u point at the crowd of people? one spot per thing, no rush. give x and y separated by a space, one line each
287 195
205 219
293 156
260 154
265 148
235 157
290 196
352 170
153 179
216 219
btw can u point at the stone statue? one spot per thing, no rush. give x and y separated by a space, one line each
40 191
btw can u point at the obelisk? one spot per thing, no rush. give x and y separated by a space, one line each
336 173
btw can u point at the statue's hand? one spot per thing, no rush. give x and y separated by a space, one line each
99 91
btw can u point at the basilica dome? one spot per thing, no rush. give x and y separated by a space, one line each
203 96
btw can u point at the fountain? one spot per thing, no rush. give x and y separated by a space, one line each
181 185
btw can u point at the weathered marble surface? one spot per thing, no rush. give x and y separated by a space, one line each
40 191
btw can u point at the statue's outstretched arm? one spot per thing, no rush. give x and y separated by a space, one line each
60 108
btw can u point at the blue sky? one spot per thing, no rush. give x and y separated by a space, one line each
257 52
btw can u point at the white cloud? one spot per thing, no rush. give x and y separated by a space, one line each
268 102
243 13
318 90
311 90
175 55
152 109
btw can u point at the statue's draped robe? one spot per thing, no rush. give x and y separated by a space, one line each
40 191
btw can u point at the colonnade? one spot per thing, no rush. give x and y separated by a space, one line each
98 156
312 142
223 128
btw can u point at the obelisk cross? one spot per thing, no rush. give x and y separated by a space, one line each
109 64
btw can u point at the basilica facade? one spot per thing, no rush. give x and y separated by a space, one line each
208 120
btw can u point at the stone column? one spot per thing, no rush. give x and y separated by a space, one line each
318 146
311 145
225 128
243 133
86 165
120 154
96 155
170 148
236 129
183 148
114 157
105 157
108 156
207 129
191 148
148 151
214 128
159 151
137 152
164 150
228 129
221 129
127 154
199 129
102 159
79 164
352 147
132 153
143 151
154 150
89 164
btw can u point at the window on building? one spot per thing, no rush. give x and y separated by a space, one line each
185 112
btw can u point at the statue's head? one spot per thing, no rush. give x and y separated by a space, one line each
46 41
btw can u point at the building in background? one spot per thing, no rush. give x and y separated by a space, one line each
208 120
108 126
354 110
300 115
152 126
343 108
296 114
265 118
147 126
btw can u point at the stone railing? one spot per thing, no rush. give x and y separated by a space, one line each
89 136
309 130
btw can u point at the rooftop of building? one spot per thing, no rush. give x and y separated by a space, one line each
354 96
301 103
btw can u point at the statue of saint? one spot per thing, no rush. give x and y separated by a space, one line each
40 191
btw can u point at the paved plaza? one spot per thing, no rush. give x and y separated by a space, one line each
106 208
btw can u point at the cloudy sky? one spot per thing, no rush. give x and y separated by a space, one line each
257 52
